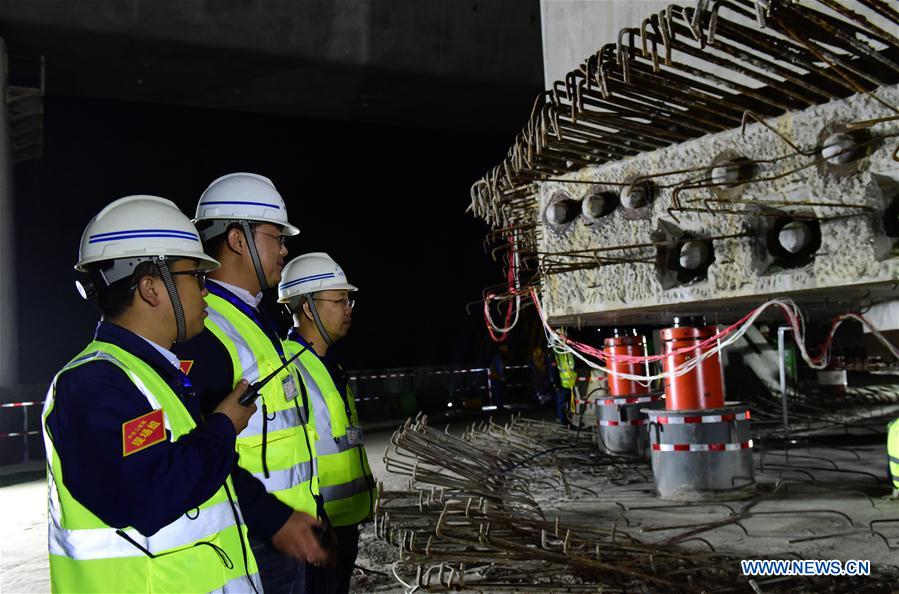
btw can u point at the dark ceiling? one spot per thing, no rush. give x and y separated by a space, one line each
428 63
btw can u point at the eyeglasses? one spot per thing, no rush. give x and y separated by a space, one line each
200 274
282 239
346 301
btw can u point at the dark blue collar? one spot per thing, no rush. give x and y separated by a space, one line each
334 369
220 291
294 335
328 360
257 315
139 347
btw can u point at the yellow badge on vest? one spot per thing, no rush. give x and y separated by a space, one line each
290 388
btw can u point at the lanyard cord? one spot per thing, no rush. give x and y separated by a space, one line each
222 554
264 324
243 543
319 501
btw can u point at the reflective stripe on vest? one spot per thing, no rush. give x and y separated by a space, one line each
103 543
281 480
357 485
332 445
88 555
279 420
344 477
284 434
240 585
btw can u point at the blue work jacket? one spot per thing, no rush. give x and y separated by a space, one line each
211 373
150 488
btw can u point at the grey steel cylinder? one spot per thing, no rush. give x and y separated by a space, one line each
621 424
700 455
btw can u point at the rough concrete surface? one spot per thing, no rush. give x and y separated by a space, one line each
854 250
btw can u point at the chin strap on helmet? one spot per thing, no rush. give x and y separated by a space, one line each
254 255
318 321
169 283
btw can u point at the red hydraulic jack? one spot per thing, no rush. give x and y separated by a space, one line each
701 446
620 421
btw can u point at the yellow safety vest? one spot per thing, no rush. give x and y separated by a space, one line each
344 476
277 446
87 555
567 374
893 452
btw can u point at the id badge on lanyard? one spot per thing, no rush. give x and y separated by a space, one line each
354 435
290 387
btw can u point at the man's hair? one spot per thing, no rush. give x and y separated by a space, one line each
115 299
296 303
215 246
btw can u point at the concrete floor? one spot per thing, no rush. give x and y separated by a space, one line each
23 533
822 534
23 538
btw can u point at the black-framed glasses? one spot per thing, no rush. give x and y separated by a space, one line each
346 301
199 273
281 239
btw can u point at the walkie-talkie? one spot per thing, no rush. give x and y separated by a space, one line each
249 397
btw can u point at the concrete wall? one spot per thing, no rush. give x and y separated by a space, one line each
856 264
575 29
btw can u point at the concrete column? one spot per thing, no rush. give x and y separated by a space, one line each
575 29
8 326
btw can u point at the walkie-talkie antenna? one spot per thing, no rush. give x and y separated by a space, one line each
252 392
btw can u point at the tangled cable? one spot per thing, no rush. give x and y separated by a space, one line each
711 345
500 333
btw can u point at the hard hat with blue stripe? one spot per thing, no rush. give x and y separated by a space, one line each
309 273
241 197
140 227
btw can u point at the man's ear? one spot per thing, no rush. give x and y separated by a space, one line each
235 240
148 290
307 311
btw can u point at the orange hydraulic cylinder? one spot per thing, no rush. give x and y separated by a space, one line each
701 387
624 345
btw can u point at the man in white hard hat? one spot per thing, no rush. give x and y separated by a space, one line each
242 220
316 292
137 479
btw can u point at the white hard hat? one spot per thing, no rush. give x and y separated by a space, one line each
142 227
316 271
243 197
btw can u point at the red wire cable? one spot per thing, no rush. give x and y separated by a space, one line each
510 279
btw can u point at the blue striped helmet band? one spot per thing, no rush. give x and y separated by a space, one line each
306 279
143 233
275 206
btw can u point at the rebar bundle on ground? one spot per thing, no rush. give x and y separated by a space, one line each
476 518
